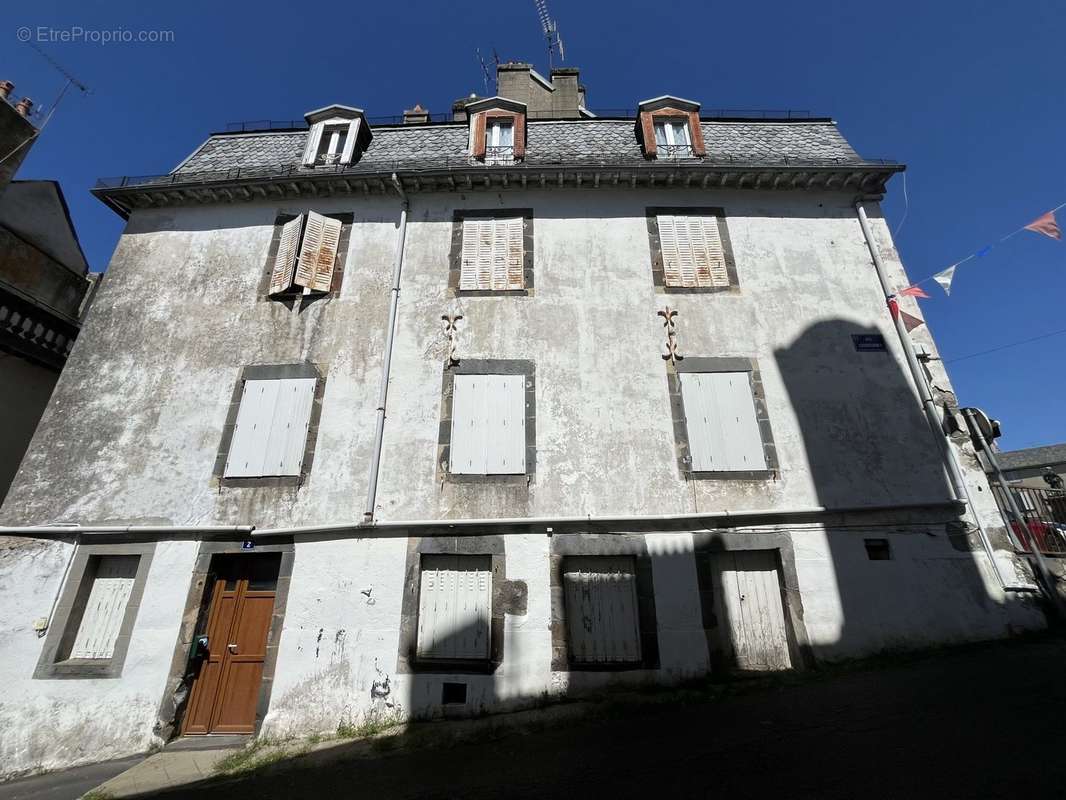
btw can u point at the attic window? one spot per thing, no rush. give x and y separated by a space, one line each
499 141
331 144
672 139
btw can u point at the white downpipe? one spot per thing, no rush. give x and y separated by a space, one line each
386 367
958 484
737 517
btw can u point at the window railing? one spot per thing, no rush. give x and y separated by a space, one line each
501 154
674 151
329 159
1044 511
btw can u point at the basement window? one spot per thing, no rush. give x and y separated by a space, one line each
454 608
602 616
878 549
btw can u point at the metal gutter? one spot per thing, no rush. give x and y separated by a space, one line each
80 530
717 519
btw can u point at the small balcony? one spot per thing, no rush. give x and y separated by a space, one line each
501 154
674 151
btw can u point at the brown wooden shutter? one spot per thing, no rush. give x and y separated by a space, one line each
647 127
478 148
519 136
285 260
696 134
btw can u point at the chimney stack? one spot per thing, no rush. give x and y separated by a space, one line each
23 106
416 115
6 88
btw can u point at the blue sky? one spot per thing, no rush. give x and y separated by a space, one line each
967 94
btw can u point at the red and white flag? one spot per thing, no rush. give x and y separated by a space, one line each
910 322
1046 225
914 291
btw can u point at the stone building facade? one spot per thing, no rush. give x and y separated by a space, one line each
646 419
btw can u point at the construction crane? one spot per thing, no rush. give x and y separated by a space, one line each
551 33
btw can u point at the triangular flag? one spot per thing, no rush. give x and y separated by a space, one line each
910 322
914 291
1046 225
945 277
893 307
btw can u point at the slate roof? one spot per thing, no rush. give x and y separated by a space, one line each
548 142
1032 457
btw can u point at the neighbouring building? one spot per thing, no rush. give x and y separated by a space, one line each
44 288
1027 468
646 419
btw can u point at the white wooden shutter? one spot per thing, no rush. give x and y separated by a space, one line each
285 260
492 255
692 251
723 431
488 425
314 136
455 607
349 142
271 431
318 253
106 607
601 609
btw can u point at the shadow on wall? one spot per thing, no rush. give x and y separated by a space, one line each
898 578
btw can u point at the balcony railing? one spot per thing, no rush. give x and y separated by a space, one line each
674 151
502 154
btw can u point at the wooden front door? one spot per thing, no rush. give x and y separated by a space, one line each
225 691
748 588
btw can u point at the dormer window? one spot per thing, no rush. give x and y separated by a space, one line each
497 130
669 127
337 137
331 144
499 141
672 138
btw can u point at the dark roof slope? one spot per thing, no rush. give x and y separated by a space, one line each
548 142
1032 457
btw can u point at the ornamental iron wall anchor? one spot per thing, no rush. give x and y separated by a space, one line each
451 331
670 323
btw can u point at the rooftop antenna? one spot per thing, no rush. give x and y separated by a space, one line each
551 33
484 71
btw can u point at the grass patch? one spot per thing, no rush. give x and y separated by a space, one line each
259 753
372 724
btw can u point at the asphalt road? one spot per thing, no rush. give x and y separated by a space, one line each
972 723
67 784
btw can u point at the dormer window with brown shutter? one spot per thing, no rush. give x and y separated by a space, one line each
669 128
497 130
337 136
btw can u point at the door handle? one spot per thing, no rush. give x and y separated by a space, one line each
232 648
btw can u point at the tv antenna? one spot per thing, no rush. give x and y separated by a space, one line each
551 33
488 76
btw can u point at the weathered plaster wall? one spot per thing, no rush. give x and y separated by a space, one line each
134 426
49 724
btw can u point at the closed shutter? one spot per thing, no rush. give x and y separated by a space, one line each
492 255
601 609
349 142
314 136
285 260
106 607
455 607
488 425
271 431
318 253
723 431
692 251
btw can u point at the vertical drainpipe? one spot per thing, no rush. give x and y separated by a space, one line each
959 490
390 336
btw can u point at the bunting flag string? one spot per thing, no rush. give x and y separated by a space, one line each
1045 224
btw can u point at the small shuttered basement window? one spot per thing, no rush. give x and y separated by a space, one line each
455 607
492 257
105 607
693 256
602 616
